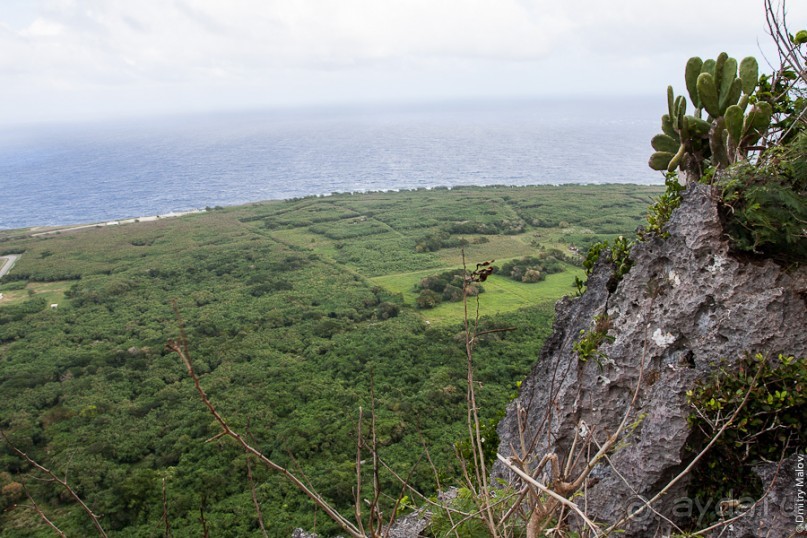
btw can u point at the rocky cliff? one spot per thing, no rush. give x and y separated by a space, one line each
685 304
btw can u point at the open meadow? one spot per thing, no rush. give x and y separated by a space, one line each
294 310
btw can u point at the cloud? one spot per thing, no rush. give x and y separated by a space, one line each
245 34
266 51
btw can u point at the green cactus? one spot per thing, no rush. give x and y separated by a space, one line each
732 95
663 142
676 160
707 91
734 124
709 67
699 127
688 141
728 76
693 69
660 160
717 143
667 128
749 74
756 122
719 68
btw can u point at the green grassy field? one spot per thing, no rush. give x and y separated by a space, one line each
293 310
51 292
501 294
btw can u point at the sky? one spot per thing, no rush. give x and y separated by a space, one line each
96 59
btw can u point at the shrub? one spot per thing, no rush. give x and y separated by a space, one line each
763 206
770 423
427 299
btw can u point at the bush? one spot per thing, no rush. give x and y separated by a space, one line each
763 206
427 299
531 269
770 424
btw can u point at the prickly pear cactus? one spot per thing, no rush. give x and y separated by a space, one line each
723 88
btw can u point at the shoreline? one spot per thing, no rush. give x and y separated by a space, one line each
56 228
133 220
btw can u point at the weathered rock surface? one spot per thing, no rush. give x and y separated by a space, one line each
685 304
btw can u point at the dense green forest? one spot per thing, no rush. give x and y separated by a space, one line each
293 310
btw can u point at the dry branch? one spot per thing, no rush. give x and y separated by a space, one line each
180 347
59 481
35 507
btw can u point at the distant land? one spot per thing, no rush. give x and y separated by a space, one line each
293 310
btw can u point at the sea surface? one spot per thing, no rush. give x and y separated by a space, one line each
96 172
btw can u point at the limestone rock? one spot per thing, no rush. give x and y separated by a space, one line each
685 304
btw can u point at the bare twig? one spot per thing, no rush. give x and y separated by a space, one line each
436 479
417 493
474 426
58 480
562 500
255 502
35 507
404 487
694 462
357 491
640 497
180 347
376 521
166 522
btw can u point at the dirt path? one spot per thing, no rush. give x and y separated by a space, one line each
10 260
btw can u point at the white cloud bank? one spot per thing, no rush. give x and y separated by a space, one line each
95 58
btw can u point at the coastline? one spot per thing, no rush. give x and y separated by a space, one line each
42 230
133 220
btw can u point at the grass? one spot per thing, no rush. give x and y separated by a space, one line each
52 292
501 295
497 247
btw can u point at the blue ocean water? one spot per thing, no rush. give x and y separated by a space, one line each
66 174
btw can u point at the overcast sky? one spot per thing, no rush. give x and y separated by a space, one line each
63 59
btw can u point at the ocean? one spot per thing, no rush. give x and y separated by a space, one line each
96 172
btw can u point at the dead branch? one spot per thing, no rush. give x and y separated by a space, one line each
436 477
35 507
357 491
166 522
404 487
562 500
180 347
376 520
255 502
692 464
58 480
483 270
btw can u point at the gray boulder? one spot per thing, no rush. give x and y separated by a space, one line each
685 304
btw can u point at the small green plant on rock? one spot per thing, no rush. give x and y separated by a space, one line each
659 213
769 423
764 207
588 345
618 253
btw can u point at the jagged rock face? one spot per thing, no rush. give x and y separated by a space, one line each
685 304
